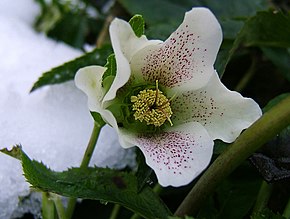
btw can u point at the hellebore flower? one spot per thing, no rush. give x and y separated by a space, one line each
166 97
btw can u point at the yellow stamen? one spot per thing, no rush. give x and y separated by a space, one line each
152 106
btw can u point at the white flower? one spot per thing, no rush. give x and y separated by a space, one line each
171 104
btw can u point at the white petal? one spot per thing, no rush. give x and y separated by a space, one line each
89 80
222 112
185 60
125 137
125 43
177 155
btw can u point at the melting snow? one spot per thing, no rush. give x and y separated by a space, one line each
53 124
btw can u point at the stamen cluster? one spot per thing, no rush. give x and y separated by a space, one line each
151 106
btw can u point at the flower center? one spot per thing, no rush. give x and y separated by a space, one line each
152 106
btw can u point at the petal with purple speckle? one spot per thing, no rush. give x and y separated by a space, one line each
222 112
177 155
185 60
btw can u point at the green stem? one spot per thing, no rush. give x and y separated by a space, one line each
115 211
263 197
70 207
59 206
85 162
91 145
286 212
135 216
263 130
48 209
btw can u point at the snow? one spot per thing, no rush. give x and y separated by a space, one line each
52 124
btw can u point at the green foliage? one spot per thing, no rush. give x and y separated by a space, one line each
275 101
144 171
280 57
272 160
267 214
232 14
246 24
161 20
256 32
68 70
234 197
110 73
267 29
15 152
174 217
165 18
102 184
138 25
68 21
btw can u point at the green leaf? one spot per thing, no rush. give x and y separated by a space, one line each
68 70
102 184
109 75
267 214
231 14
15 152
48 18
272 160
269 28
240 189
164 16
138 25
280 57
264 29
175 217
69 22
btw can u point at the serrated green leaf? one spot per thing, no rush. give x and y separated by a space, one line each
15 152
96 183
68 70
138 25
109 75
